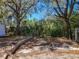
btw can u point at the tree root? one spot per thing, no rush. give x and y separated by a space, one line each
17 46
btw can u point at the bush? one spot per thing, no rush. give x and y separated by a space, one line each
56 32
43 28
24 30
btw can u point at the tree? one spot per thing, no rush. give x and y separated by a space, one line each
3 12
65 13
1 9
19 9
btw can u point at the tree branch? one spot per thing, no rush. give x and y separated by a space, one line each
59 7
57 11
72 7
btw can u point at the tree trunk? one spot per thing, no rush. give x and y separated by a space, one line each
69 30
17 30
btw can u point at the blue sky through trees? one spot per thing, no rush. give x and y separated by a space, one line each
43 9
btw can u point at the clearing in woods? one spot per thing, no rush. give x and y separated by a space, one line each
40 48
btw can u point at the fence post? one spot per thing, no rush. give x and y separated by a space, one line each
76 34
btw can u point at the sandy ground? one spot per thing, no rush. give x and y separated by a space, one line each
41 52
37 53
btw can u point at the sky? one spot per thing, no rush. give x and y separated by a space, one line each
42 10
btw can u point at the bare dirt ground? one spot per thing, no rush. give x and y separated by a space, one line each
66 49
